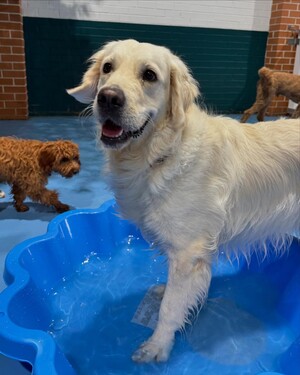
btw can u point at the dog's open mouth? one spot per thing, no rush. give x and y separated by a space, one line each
113 134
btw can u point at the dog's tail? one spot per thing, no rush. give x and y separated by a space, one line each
265 73
266 80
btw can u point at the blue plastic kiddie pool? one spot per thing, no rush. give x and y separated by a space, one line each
81 298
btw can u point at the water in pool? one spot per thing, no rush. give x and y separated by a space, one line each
95 320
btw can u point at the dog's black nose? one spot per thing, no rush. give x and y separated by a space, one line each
111 98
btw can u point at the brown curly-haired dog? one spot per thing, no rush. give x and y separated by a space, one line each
270 84
27 164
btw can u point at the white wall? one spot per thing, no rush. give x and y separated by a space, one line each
222 14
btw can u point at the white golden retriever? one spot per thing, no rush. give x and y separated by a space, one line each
190 181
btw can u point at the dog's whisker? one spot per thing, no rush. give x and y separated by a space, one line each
86 113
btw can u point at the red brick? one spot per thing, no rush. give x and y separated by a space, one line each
4 17
4 34
294 14
7 8
6 82
22 111
275 67
15 18
5 66
14 89
13 58
13 73
10 26
4 97
19 66
288 68
7 112
15 104
18 50
12 42
22 97
284 47
16 34
290 54
5 50
275 54
20 81
287 20
291 6
280 13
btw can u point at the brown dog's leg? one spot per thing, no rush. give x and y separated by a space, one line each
264 95
246 115
262 112
296 113
49 198
19 195
257 106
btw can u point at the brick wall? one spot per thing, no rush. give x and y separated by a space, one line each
13 85
279 54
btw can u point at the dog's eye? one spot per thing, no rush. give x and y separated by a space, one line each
149 76
107 67
64 160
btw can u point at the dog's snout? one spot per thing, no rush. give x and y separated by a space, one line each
111 98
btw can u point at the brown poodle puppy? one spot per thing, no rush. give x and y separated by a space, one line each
272 84
27 164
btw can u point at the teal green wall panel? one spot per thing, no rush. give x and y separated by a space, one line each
225 62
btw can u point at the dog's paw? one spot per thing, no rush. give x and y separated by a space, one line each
151 351
60 208
21 208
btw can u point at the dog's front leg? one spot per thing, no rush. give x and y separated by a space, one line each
187 286
296 113
19 197
49 198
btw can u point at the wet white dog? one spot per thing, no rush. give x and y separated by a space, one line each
189 180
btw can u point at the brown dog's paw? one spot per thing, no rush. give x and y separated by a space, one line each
21 207
60 208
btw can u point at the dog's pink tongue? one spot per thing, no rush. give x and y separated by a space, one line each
111 130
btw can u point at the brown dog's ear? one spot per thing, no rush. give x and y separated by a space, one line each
183 89
86 92
46 159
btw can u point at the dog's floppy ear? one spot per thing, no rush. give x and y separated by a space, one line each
47 158
183 89
86 92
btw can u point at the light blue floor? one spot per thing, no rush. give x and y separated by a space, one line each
86 190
